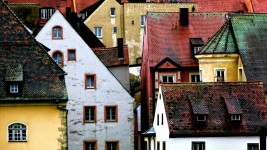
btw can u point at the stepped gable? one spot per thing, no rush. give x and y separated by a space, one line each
25 61
218 101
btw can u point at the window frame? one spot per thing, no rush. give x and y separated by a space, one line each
117 144
106 113
195 77
198 143
112 12
114 30
168 77
252 144
199 119
16 88
85 109
74 59
235 117
46 12
89 141
98 32
196 49
53 32
220 70
62 57
142 20
21 129
86 78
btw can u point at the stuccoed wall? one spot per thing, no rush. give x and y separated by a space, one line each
108 91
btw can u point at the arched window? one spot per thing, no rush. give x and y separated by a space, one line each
17 132
58 57
57 32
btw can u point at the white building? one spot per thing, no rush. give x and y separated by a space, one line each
209 116
100 110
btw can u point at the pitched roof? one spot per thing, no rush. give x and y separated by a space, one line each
167 38
23 58
259 6
109 56
219 100
244 34
82 4
220 5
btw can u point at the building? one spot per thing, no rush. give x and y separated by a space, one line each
170 42
100 109
33 94
207 116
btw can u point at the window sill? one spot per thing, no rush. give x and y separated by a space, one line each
112 16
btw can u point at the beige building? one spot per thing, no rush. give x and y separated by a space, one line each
129 21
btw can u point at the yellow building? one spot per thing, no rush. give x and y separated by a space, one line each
129 21
33 95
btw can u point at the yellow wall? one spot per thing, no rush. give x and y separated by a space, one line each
209 63
133 33
43 123
101 18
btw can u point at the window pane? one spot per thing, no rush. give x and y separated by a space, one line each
58 58
17 132
112 145
111 113
112 11
90 146
90 82
71 55
90 114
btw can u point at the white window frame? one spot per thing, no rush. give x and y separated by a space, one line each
194 74
46 13
14 88
57 32
98 32
197 49
168 77
17 133
143 20
114 30
201 119
253 146
112 12
90 110
198 145
110 117
220 70
90 82
235 117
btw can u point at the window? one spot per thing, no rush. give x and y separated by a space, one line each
253 146
198 145
112 145
89 145
220 75
158 145
58 58
14 88
143 20
112 12
17 132
115 30
163 145
195 78
196 49
167 78
71 54
201 117
98 32
90 81
89 114
57 32
111 114
162 119
200 75
158 119
46 13
235 117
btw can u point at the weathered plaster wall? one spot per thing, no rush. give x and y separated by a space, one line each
108 92
43 128
133 31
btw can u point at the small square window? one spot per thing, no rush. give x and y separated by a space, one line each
201 117
112 145
195 78
90 81
14 88
253 146
46 13
71 54
89 145
89 114
196 49
111 114
220 75
98 32
198 145
167 78
235 117
142 20
112 12
115 30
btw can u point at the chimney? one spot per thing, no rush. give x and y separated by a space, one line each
184 17
120 48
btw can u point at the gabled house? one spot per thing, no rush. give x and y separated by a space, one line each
33 95
208 116
171 41
237 51
100 109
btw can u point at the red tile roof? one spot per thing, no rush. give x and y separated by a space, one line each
220 5
166 38
82 4
109 56
259 5
218 101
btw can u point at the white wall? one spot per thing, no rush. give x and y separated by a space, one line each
108 91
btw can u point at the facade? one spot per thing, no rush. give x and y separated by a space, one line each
170 42
32 84
100 109
236 52
209 116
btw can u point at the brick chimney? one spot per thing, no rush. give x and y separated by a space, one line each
184 17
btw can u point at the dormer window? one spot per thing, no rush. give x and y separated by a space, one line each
235 117
14 88
196 45
167 79
201 117
220 75
13 79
